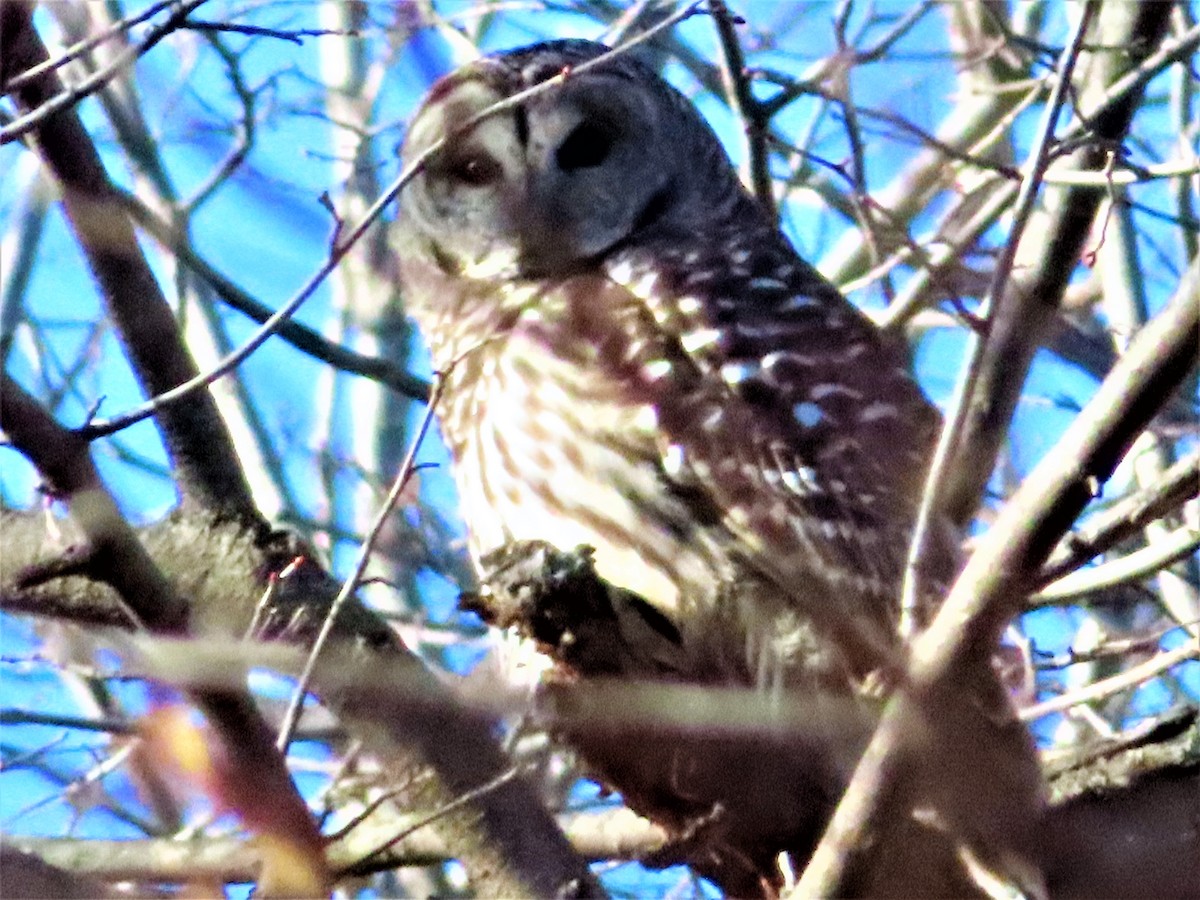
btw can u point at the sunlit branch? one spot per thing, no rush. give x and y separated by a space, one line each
1126 517
1131 568
1129 679
352 582
992 587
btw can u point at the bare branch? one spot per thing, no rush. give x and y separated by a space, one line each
37 75
1023 310
1126 517
1127 680
932 502
601 835
354 579
755 119
1133 567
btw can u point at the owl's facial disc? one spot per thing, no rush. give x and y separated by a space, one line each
544 189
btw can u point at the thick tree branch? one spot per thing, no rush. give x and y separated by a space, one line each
615 834
1122 822
28 874
507 841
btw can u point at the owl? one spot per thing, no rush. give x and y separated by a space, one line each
637 361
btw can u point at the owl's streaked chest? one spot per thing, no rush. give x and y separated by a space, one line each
547 445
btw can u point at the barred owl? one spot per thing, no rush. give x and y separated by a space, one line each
638 361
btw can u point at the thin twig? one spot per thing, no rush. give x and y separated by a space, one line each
245 131
81 47
295 36
299 335
1127 516
1116 648
9 717
368 809
350 585
342 247
755 122
457 803
1130 678
810 80
1133 567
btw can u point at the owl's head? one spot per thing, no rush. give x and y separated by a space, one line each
552 185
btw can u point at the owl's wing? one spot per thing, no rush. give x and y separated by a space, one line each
776 407
748 310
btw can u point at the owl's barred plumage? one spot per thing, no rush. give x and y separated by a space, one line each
640 362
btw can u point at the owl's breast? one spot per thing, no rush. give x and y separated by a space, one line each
548 449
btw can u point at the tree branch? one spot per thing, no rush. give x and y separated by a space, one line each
1125 518
603 835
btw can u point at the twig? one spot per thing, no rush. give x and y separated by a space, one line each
755 121
1126 517
350 585
81 47
1117 648
299 335
1132 567
457 803
1127 174
295 36
369 809
244 137
230 362
1130 678
810 80
912 297
10 717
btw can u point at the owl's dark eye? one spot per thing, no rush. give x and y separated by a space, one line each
585 148
476 170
